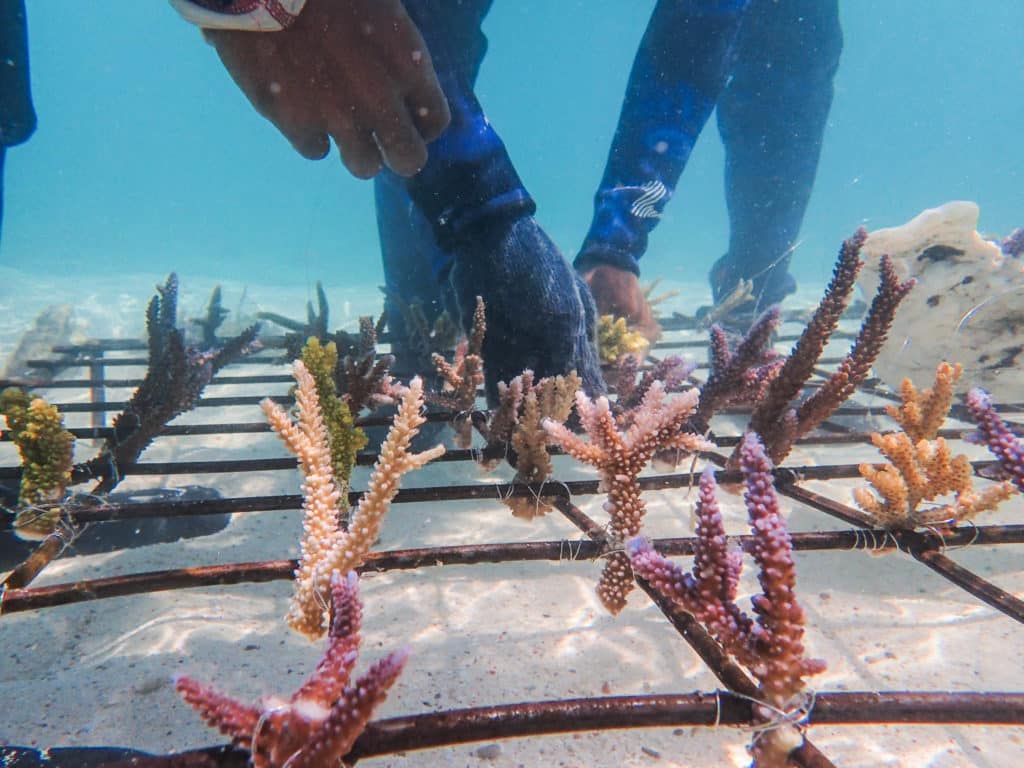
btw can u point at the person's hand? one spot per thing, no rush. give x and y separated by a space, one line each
357 71
617 292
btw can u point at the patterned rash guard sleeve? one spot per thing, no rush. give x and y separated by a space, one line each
249 15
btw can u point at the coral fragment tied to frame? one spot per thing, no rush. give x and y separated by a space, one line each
921 467
326 546
320 722
771 646
656 425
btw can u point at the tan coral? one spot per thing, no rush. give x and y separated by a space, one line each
921 467
922 413
325 546
550 398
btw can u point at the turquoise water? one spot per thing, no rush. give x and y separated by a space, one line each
147 157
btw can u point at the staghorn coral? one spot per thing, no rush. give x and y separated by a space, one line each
921 467
621 457
326 546
770 646
46 448
614 339
361 376
519 421
462 378
320 722
775 418
995 434
176 375
739 376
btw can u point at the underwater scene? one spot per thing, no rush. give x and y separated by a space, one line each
484 383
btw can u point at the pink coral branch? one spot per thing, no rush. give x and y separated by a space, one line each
319 724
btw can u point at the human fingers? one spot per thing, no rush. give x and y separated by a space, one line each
359 152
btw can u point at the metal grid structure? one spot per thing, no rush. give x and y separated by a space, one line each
729 705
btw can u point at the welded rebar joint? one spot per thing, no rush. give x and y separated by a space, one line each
996 436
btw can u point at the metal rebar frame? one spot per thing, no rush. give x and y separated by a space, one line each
731 705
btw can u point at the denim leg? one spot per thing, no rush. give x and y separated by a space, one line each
678 73
414 264
772 117
17 117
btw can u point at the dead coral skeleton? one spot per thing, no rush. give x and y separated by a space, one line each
921 467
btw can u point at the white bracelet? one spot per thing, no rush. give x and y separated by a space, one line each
249 15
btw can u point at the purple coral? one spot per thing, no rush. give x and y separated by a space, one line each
996 436
772 647
1013 244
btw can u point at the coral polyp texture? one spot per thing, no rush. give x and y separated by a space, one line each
620 456
770 646
997 436
326 546
776 418
921 467
320 722
46 448
614 339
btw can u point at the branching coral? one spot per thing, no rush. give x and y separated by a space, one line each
326 546
519 421
621 457
775 418
997 436
46 448
462 378
921 467
176 375
320 722
770 646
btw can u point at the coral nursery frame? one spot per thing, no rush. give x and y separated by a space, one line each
729 705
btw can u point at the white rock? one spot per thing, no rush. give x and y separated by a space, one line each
967 306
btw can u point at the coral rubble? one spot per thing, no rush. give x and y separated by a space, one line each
620 456
921 467
320 722
770 646
326 546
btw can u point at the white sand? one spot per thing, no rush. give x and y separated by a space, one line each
99 673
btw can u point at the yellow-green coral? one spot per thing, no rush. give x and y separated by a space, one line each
344 436
46 449
614 339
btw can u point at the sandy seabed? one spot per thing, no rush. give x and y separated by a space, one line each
100 673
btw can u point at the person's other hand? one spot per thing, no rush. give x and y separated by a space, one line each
357 71
617 292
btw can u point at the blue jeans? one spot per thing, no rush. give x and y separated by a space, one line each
17 117
768 67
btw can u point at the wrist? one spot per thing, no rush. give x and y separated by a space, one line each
246 15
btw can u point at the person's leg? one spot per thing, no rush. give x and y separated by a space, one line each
772 117
17 116
413 262
677 75
480 213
